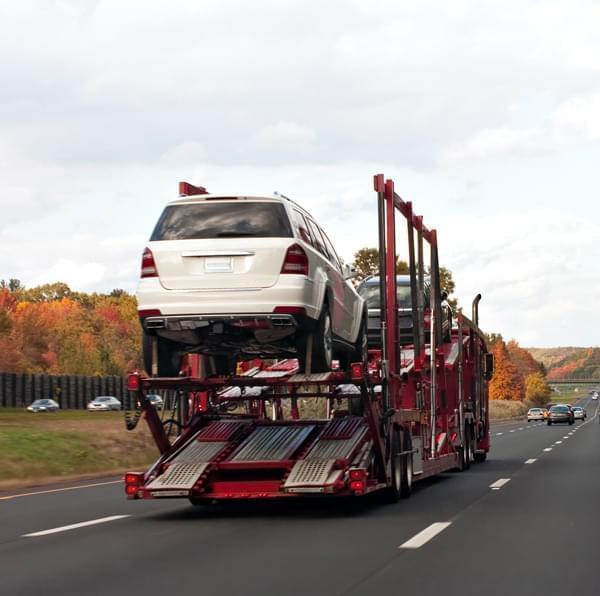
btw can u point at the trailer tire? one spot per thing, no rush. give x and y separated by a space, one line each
392 493
407 467
168 356
468 448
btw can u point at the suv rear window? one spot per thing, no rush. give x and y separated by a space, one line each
198 221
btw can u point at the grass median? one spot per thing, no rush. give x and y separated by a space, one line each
44 447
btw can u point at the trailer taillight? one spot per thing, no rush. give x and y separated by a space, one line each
295 261
136 478
358 480
133 381
357 370
148 265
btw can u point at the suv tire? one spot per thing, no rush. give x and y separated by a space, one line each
168 356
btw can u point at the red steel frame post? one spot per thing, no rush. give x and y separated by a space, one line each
391 299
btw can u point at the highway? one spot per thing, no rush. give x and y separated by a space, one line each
525 522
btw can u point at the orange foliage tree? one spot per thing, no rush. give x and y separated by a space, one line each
51 329
507 383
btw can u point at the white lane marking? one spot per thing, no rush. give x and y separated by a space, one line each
499 483
557 442
60 490
548 449
530 461
423 537
520 428
93 522
566 437
511 431
498 434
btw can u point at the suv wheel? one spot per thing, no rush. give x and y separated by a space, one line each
168 356
223 365
322 349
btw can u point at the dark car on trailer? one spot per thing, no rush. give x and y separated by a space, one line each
369 290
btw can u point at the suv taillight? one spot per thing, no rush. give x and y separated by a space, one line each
295 261
148 264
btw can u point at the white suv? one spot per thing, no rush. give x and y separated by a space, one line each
239 277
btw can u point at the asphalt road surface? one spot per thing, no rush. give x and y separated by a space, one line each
525 522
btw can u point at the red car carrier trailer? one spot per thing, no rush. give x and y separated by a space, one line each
408 413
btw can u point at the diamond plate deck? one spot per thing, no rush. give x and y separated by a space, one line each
179 476
309 472
271 443
199 452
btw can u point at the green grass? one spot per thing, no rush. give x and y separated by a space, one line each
42 447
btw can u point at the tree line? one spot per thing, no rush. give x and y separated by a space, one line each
54 330
517 375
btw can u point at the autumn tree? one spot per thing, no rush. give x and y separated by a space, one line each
366 262
522 359
537 389
507 383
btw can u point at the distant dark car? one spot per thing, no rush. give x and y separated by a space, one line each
579 412
560 413
43 405
156 400
369 290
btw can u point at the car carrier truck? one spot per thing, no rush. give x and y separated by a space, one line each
404 414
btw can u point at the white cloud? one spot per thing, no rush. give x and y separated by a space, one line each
286 136
482 113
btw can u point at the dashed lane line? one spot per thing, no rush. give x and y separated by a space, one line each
423 537
499 483
531 461
548 449
93 522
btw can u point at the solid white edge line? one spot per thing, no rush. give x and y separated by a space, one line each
59 490
499 483
423 537
93 522
530 461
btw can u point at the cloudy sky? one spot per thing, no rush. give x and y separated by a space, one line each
487 116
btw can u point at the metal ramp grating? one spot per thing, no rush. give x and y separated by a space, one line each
199 452
340 428
179 476
335 449
309 472
221 430
272 443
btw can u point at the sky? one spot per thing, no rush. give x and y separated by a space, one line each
486 115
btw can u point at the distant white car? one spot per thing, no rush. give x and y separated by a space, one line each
240 277
535 414
595 395
104 403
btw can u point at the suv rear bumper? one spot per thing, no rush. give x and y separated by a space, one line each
292 290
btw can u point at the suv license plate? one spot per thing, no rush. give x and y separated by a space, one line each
218 265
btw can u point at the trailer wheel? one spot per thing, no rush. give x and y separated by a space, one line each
168 356
467 450
407 467
393 492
